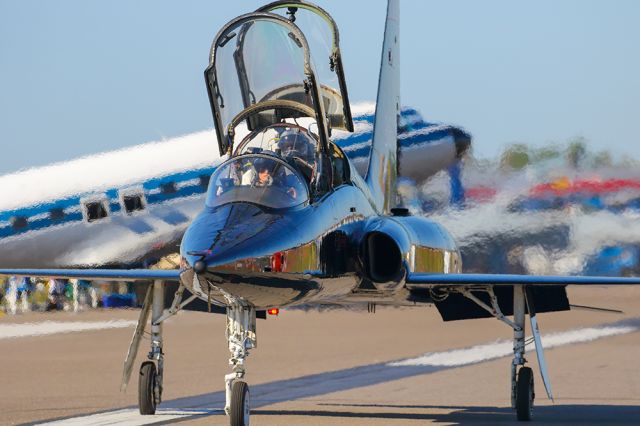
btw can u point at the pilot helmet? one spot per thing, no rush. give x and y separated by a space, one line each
261 164
296 143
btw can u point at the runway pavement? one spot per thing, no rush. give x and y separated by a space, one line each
397 366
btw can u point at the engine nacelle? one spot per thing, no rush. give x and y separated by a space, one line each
384 251
393 246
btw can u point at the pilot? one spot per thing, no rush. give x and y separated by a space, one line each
259 174
297 147
295 143
262 176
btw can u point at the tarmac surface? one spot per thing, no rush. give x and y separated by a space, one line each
330 368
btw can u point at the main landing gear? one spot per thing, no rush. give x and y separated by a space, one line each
522 392
151 371
522 386
241 336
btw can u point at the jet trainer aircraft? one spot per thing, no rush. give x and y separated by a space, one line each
288 220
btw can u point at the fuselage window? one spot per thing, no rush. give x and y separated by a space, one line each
56 214
168 188
133 203
96 210
19 222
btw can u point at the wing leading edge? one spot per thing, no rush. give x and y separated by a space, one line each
98 274
413 280
417 280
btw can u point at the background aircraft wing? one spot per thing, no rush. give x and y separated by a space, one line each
98 274
417 280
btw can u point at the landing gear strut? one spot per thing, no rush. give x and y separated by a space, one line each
522 393
151 373
241 336
522 390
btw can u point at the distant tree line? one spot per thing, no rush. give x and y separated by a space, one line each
574 154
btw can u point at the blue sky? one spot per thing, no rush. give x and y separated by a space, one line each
79 77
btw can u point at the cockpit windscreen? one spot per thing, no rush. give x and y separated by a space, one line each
293 143
260 179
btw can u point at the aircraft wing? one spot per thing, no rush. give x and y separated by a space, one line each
98 274
418 280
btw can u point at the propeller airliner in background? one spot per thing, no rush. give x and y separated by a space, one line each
290 219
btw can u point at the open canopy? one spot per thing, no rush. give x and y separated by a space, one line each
262 60
323 39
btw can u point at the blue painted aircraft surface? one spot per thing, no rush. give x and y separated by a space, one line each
289 220
129 208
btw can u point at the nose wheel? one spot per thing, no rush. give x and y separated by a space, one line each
239 410
241 336
148 388
524 394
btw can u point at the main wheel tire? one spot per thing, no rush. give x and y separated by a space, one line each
240 407
524 394
146 388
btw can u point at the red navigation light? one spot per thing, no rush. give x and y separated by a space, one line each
273 311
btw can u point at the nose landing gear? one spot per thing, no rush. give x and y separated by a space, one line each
241 336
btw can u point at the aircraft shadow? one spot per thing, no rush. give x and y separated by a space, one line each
315 385
558 414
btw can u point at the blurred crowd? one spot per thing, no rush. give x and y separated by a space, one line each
20 295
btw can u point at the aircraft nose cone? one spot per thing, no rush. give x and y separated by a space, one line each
233 232
200 267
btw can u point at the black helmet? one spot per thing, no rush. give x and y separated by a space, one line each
263 164
295 143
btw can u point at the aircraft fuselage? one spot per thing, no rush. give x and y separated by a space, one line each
324 252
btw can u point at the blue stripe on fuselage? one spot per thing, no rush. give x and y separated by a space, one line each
158 190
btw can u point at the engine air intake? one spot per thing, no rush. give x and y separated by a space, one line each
383 258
